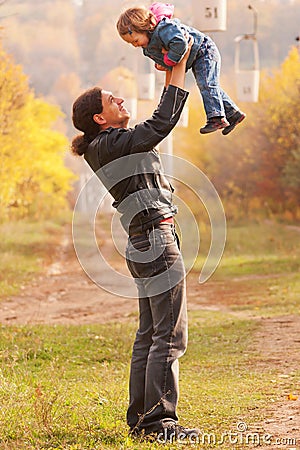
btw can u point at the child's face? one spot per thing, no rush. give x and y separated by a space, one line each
136 39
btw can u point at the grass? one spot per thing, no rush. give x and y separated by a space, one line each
261 264
256 249
65 387
25 247
57 380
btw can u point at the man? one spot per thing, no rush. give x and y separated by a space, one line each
127 163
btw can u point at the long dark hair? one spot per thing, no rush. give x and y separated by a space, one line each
84 108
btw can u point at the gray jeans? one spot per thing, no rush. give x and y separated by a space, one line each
155 262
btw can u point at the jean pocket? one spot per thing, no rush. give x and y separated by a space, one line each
141 255
139 246
141 265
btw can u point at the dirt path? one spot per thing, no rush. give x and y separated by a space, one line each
64 294
278 342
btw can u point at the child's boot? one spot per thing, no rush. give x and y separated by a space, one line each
214 124
234 120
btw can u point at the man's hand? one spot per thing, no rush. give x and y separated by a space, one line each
190 41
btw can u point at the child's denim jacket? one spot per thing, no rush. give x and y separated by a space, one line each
169 33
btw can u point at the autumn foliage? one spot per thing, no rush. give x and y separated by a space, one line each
256 168
34 180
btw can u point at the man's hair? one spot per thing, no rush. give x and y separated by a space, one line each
84 108
138 19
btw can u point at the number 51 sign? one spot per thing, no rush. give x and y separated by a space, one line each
209 15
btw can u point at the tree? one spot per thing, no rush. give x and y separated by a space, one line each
34 180
256 165
280 96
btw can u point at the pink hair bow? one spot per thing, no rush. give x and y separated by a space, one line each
161 10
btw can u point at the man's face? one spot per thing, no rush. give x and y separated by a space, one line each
114 113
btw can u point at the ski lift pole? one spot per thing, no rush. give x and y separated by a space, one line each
254 20
248 79
297 39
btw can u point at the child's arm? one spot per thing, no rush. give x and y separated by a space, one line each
174 39
176 75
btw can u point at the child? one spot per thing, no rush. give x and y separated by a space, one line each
164 40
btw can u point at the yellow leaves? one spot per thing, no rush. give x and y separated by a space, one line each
281 86
34 180
292 397
13 90
291 66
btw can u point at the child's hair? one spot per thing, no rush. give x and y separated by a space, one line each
138 19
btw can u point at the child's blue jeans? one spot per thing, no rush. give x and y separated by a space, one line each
206 70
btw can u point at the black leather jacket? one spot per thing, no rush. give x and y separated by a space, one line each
130 168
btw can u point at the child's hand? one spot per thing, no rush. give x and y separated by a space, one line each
159 67
164 51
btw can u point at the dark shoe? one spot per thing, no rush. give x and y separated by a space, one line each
173 433
233 121
167 434
134 432
214 124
